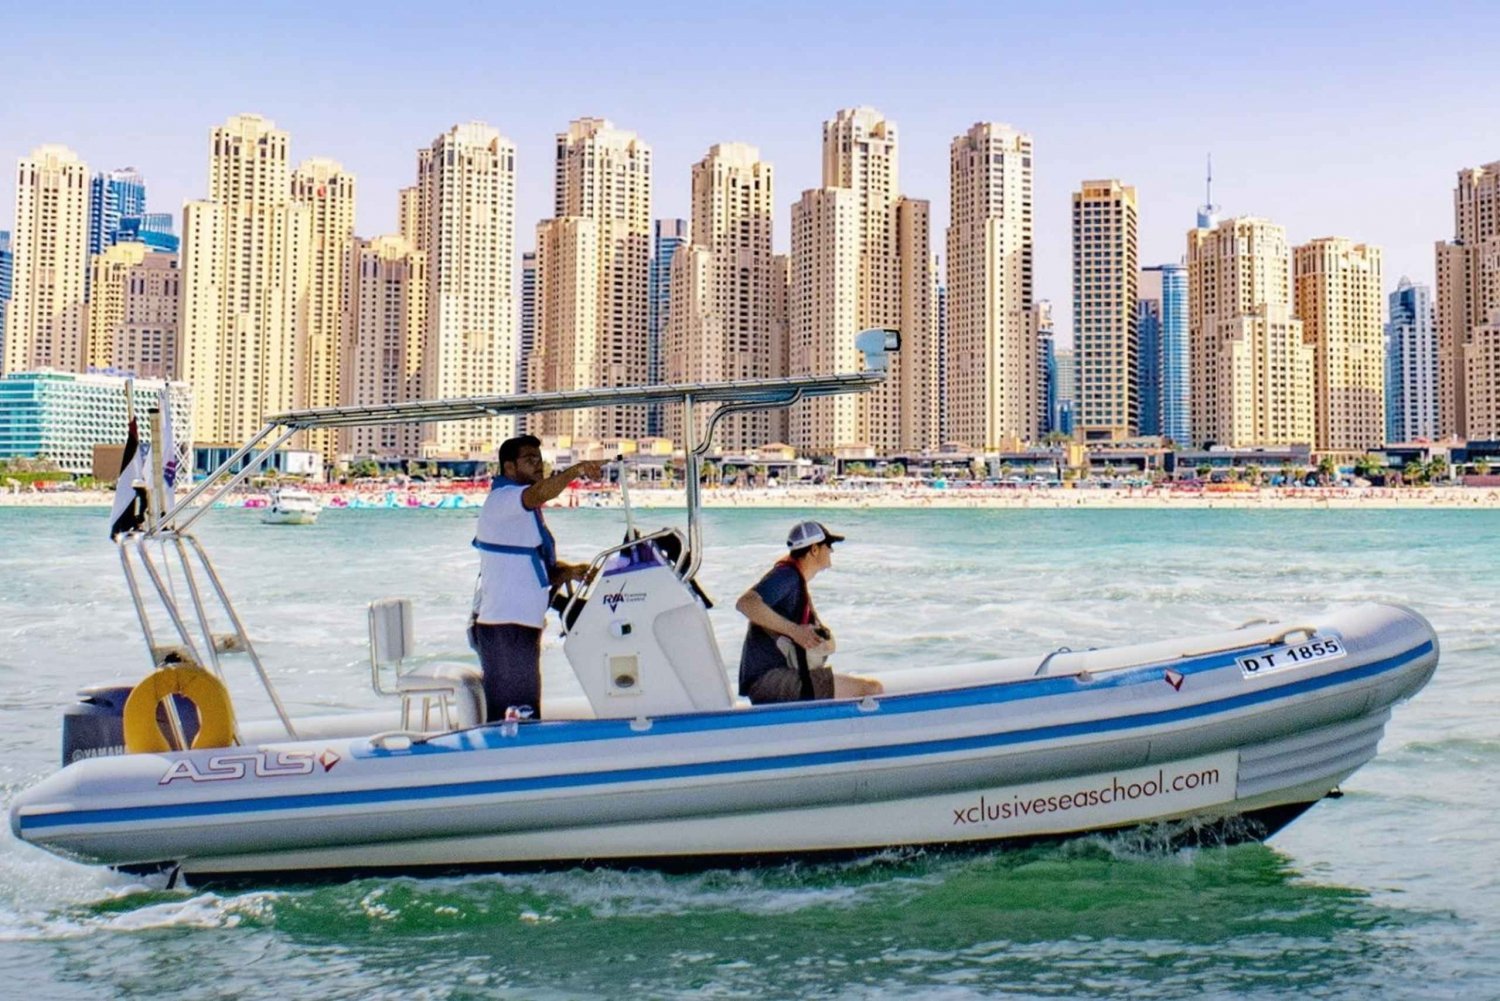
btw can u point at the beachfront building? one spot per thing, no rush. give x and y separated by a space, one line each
1148 324
526 335
387 291
1338 288
996 382
1468 309
722 323
940 299
134 314
667 237
593 278
7 264
1106 271
46 319
861 257
1411 365
463 218
1251 372
326 190
1162 332
1064 392
1044 332
245 258
61 416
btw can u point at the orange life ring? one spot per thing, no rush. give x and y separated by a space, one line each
202 688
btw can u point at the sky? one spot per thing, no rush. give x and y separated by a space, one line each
1330 118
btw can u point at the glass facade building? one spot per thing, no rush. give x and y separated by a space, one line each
667 236
154 229
7 273
1411 365
1163 365
62 415
113 196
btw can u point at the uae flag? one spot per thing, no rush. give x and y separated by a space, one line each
129 510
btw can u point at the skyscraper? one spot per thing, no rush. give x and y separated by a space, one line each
113 195
667 236
1252 375
1411 365
1148 340
245 274
326 191
47 322
1044 332
593 261
1468 307
1338 290
722 322
154 229
861 258
388 314
1105 272
135 311
527 339
7 272
466 219
940 299
1065 379
996 383
1162 332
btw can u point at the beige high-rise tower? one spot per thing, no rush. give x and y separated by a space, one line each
1467 311
994 357
134 311
863 261
593 259
722 323
46 320
1106 272
387 319
1252 372
1342 309
245 273
467 220
327 191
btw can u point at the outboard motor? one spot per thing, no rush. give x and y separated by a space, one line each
94 727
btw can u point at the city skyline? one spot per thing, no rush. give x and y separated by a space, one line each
1288 141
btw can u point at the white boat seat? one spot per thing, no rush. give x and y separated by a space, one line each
453 692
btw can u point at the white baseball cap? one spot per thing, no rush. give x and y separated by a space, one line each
809 533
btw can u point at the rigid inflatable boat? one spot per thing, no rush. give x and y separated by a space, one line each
1227 735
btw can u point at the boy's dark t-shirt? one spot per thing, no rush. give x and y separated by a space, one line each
784 590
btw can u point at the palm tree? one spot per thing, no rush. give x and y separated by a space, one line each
1327 469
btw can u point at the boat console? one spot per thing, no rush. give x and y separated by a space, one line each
638 634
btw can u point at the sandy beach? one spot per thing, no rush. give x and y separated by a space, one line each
893 497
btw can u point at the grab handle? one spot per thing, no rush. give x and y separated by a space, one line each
1308 631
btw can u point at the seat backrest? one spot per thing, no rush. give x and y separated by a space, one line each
390 632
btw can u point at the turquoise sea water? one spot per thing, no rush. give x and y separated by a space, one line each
1390 892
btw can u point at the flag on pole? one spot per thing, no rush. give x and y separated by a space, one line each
129 509
168 450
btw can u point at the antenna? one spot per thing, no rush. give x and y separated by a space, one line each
1208 212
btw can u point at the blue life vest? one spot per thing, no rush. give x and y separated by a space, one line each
543 556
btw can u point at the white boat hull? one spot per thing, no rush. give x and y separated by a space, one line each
1098 741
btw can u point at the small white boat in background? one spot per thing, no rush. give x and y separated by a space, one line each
1220 736
290 506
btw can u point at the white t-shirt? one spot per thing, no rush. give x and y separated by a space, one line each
509 590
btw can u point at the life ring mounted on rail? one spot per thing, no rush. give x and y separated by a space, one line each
200 687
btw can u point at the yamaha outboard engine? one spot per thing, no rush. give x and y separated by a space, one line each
95 727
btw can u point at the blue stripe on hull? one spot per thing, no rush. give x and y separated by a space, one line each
810 759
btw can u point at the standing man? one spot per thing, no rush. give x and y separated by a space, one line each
518 569
786 645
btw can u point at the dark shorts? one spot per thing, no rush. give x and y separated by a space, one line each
782 684
511 656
